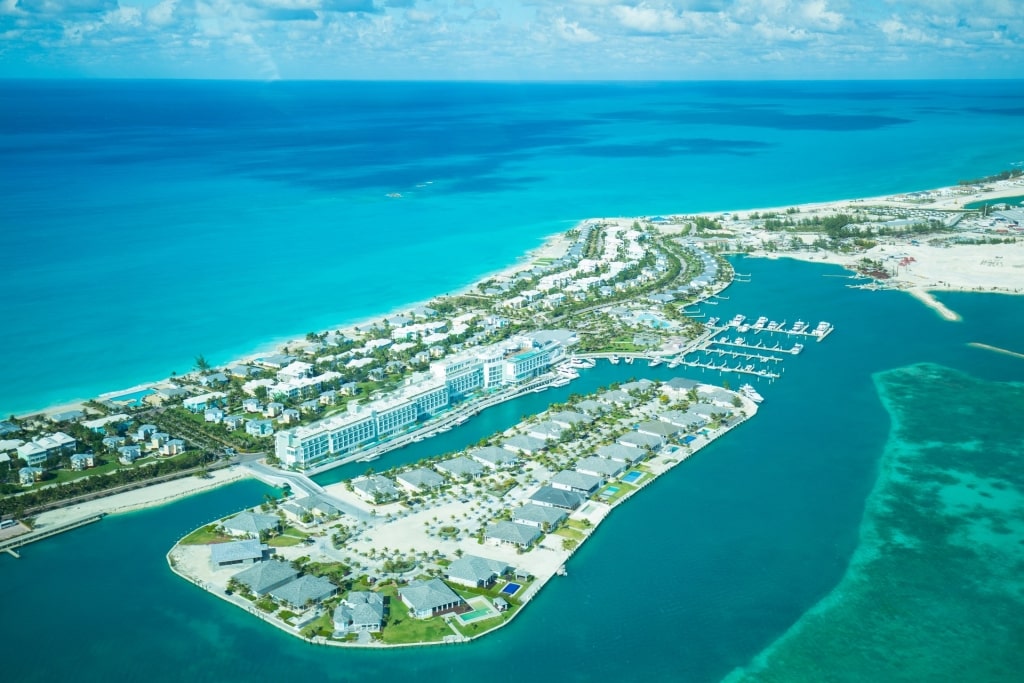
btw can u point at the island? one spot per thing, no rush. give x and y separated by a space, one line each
449 548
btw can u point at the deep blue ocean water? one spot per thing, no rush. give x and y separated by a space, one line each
143 223
155 221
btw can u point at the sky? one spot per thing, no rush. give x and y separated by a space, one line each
512 39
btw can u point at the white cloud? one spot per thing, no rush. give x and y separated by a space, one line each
162 14
573 32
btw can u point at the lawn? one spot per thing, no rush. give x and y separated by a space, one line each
567 532
205 535
401 628
284 541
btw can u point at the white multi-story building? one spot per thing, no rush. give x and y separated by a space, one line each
36 451
393 415
450 378
333 437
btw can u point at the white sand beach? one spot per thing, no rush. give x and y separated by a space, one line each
148 496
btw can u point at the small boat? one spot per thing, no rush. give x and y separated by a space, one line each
629 360
654 362
614 360
797 348
713 321
743 328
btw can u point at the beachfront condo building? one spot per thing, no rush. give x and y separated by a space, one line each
451 378
336 436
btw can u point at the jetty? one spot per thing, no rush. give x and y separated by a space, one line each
10 545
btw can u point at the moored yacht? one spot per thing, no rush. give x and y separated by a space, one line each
799 326
761 322
750 392
737 320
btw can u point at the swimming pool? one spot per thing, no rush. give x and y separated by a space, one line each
610 491
511 588
633 477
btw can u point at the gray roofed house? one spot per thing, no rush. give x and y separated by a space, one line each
538 515
374 487
521 443
558 336
494 457
315 505
706 411
82 461
429 598
638 385
29 475
460 466
567 480
476 572
569 418
67 416
657 428
248 551
129 454
557 498
591 407
304 590
263 577
617 397
233 422
599 467
638 440
511 533
718 396
547 430
359 611
420 479
620 453
251 524
681 419
679 386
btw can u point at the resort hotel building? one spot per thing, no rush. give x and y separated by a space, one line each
450 379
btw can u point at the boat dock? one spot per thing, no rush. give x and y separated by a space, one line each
725 367
10 544
740 354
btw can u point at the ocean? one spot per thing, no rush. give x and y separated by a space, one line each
694 579
145 223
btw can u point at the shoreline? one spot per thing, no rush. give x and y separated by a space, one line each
544 560
144 497
552 243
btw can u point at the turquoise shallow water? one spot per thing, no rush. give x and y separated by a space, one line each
717 559
144 223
